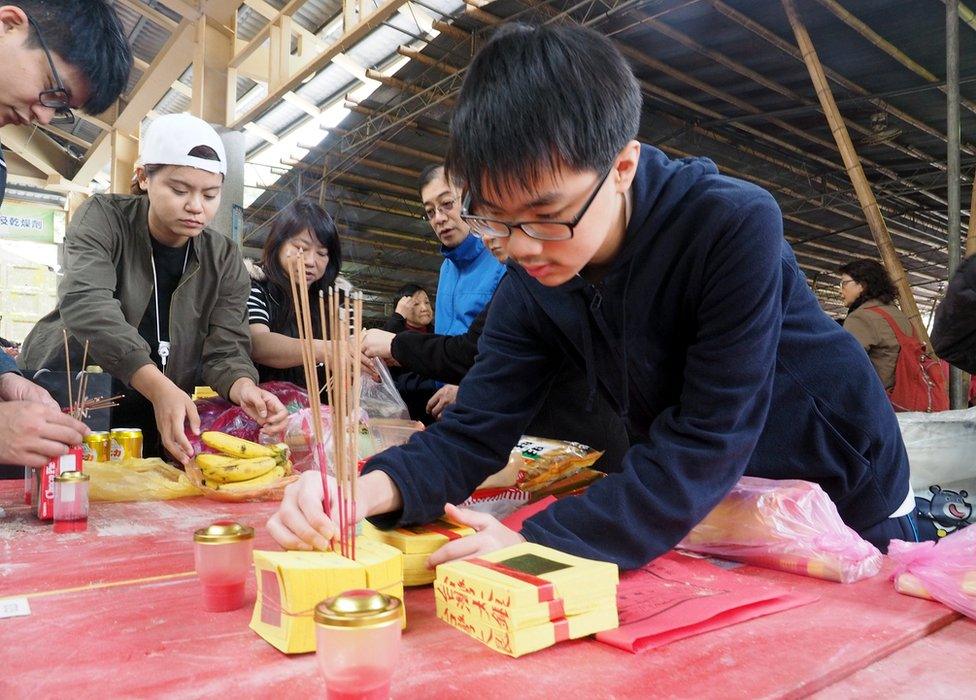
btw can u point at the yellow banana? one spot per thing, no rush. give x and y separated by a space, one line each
271 476
212 461
235 446
239 470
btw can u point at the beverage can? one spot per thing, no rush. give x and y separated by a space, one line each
126 443
97 446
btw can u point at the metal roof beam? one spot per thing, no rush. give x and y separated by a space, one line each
351 36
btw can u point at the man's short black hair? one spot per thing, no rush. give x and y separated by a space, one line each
88 35
539 98
427 175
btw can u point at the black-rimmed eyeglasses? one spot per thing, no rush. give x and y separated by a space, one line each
484 227
57 98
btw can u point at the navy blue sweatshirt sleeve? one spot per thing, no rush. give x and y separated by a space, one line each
495 403
954 332
695 451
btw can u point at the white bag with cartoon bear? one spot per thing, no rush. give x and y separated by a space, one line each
942 456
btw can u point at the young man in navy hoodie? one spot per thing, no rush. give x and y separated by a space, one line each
672 289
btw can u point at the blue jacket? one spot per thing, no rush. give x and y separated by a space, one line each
469 275
7 363
705 336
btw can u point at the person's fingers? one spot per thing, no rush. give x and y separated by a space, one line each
458 549
319 528
193 417
472 518
63 434
432 401
283 536
63 419
48 449
34 460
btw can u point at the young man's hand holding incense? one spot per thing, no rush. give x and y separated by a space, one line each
301 522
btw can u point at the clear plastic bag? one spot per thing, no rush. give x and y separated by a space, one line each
138 480
299 433
944 571
381 399
790 525
271 491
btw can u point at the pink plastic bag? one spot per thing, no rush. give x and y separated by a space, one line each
944 571
224 417
789 525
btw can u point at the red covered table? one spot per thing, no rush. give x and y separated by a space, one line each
116 611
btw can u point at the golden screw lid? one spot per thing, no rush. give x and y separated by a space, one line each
222 532
72 476
97 434
358 608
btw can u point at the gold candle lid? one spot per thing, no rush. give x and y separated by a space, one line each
223 531
358 608
72 476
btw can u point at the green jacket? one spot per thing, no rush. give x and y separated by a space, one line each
108 285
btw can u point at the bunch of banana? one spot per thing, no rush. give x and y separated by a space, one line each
242 464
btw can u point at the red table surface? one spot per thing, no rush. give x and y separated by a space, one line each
151 638
938 666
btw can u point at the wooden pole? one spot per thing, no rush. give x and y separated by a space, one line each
879 230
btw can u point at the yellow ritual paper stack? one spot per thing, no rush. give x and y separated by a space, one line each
291 584
527 597
418 543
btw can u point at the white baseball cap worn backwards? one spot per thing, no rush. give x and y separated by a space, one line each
169 139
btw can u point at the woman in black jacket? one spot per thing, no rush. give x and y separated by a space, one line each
447 358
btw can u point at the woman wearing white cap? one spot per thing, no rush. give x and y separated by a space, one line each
160 298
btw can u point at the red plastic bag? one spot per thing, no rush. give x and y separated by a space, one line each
920 380
944 571
790 525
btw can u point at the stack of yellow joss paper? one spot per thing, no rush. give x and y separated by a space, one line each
527 597
417 544
291 584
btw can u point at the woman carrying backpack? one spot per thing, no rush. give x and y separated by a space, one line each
864 285
914 379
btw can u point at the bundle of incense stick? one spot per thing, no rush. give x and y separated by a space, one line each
80 409
343 382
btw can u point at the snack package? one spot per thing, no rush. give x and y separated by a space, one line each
790 525
944 571
547 461
149 479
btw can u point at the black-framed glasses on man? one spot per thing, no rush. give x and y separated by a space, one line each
57 98
844 283
483 227
445 207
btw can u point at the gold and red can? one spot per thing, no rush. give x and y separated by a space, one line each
126 444
97 446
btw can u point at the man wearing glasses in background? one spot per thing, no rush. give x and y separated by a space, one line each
469 273
672 290
58 55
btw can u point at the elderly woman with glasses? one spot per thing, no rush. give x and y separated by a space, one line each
864 285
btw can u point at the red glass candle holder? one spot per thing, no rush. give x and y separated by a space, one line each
222 553
71 502
357 643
